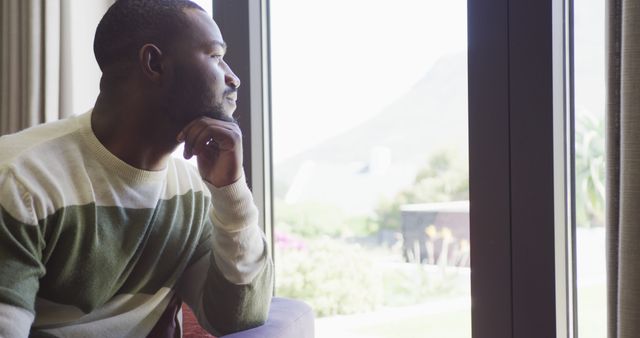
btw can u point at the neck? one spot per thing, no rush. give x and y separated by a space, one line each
132 132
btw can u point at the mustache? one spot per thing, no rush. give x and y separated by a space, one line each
216 112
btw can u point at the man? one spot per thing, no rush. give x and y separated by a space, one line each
102 232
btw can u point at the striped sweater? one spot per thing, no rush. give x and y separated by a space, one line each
92 247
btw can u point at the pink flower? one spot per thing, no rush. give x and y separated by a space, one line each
288 241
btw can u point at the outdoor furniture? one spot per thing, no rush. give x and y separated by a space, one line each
288 318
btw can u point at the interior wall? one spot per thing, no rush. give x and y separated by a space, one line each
80 27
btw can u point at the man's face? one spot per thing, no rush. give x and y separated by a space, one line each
200 83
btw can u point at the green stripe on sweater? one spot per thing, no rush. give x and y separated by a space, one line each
92 253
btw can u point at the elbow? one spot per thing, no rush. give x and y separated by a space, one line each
251 304
247 323
257 317
246 320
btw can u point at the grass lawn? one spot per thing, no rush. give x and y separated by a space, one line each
423 302
456 324
592 308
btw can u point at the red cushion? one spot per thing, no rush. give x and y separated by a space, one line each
190 326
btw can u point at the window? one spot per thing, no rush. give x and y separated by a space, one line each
370 172
520 164
589 29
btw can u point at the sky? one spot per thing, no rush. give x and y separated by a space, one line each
337 63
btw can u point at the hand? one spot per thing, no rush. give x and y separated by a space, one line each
218 147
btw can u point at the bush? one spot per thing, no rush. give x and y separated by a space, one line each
313 220
590 170
333 277
336 278
444 178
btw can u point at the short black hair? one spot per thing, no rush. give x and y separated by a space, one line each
129 24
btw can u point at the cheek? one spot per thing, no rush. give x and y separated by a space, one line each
215 75
200 85
195 87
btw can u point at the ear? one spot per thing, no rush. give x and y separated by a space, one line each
150 60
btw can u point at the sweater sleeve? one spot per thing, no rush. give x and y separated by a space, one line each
21 246
229 285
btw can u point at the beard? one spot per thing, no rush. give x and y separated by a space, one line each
216 113
183 107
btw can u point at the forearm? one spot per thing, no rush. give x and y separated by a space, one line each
236 293
231 307
238 242
221 306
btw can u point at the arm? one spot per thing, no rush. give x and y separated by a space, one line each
20 257
236 293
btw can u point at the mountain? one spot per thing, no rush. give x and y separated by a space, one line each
431 116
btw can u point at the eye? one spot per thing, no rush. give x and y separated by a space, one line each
217 57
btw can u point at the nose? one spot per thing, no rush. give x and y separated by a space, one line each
231 78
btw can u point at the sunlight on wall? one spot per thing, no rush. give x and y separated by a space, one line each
84 73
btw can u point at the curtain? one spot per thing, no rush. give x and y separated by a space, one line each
33 71
623 168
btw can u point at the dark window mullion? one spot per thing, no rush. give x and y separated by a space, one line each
489 168
243 28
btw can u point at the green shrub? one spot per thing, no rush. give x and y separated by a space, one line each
333 277
590 170
337 278
313 220
444 178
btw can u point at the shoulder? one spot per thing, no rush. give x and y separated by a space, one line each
35 165
39 141
16 201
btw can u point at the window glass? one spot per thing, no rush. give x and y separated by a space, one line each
369 125
589 62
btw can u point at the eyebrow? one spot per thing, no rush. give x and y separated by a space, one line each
215 43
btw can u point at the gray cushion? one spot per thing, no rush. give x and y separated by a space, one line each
288 318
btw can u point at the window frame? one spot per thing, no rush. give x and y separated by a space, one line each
521 175
245 28
521 164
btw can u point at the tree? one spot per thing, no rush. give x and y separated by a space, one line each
589 163
444 178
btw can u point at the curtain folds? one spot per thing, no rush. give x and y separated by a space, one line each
31 71
623 168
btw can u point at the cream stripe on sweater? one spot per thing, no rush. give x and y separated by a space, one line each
93 246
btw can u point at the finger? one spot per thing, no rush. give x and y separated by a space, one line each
190 135
223 137
225 134
199 139
182 135
204 141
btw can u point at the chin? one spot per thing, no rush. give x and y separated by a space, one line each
230 108
219 115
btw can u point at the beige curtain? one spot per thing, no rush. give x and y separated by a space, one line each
33 51
623 168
